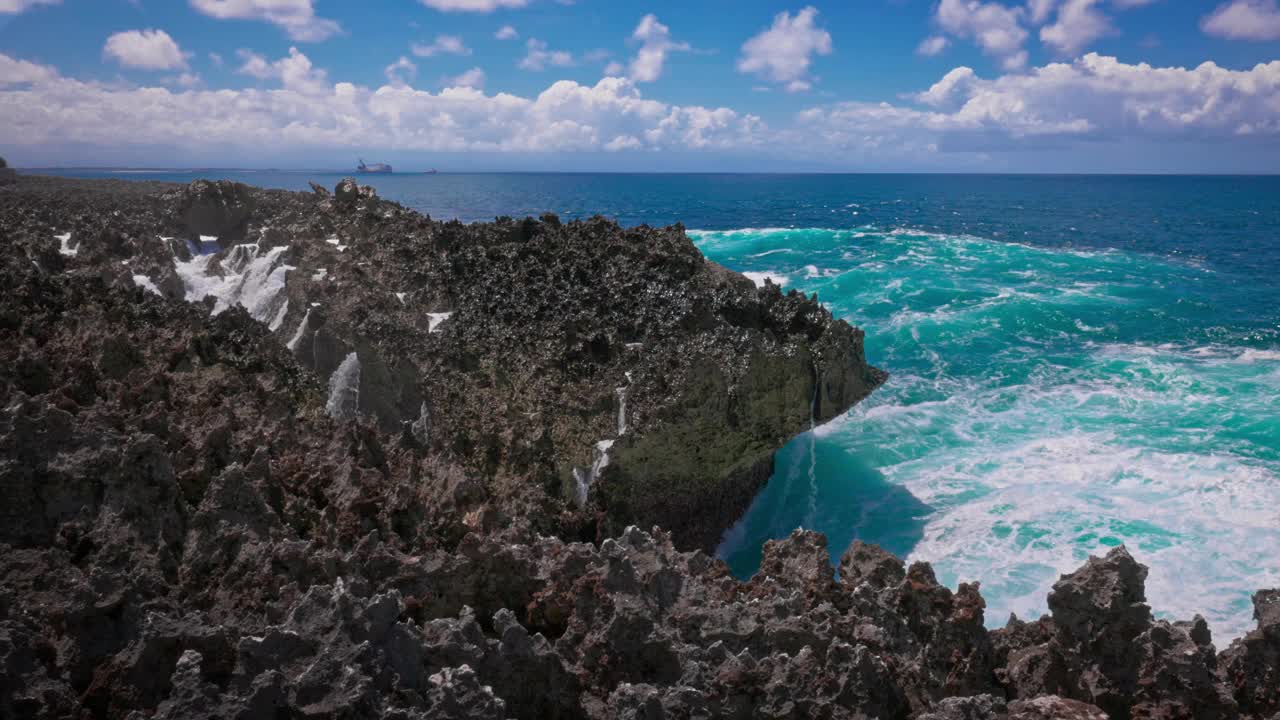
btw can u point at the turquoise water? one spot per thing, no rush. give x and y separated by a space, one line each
1077 362
1044 404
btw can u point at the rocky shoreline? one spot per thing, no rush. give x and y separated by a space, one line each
314 454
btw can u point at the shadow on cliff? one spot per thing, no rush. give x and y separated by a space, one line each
853 501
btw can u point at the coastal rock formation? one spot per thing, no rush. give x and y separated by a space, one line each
613 374
199 523
7 174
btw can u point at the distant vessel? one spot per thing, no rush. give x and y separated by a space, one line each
374 169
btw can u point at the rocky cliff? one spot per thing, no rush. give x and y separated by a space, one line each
278 455
614 374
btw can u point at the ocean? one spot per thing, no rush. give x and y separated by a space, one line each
1077 362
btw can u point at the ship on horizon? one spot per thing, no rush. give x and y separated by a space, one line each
377 168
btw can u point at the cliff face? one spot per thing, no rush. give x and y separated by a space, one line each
579 367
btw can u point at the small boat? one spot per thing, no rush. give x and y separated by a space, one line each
374 169
432 171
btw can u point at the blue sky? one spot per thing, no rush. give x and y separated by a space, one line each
870 85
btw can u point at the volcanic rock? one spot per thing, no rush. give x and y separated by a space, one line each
190 531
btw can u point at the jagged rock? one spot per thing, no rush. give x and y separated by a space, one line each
694 375
1052 707
870 564
217 208
977 707
346 192
1251 665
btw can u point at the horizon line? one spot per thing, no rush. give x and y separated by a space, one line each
333 171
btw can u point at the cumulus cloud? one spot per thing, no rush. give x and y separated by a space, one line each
480 6
506 32
932 45
614 68
1244 20
1039 10
996 28
1059 105
473 78
538 57
1078 23
13 7
21 72
784 52
442 45
296 17
295 71
401 72
1095 98
50 110
655 43
146 50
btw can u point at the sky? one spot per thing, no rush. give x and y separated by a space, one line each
649 85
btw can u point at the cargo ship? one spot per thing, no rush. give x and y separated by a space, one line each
374 169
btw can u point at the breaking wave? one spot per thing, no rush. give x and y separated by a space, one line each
1044 405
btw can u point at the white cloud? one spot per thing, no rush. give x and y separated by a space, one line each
996 28
946 89
52 111
784 52
294 72
216 59
401 72
480 6
13 7
614 69
442 45
1039 10
1079 23
145 49
473 78
1244 20
932 45
539 58
20 72
1095 98
506 32
655 42
296 17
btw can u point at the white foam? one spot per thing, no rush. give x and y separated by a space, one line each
337 244
251 278
400 297
759 278
145 283
434 320
344 389
1258 356
583 480
1048 503
64 245
320 274
298 335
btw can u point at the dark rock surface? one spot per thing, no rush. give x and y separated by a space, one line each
516 347
189 531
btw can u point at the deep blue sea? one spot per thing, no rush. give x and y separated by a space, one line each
1077 362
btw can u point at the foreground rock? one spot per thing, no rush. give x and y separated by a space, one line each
190 529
